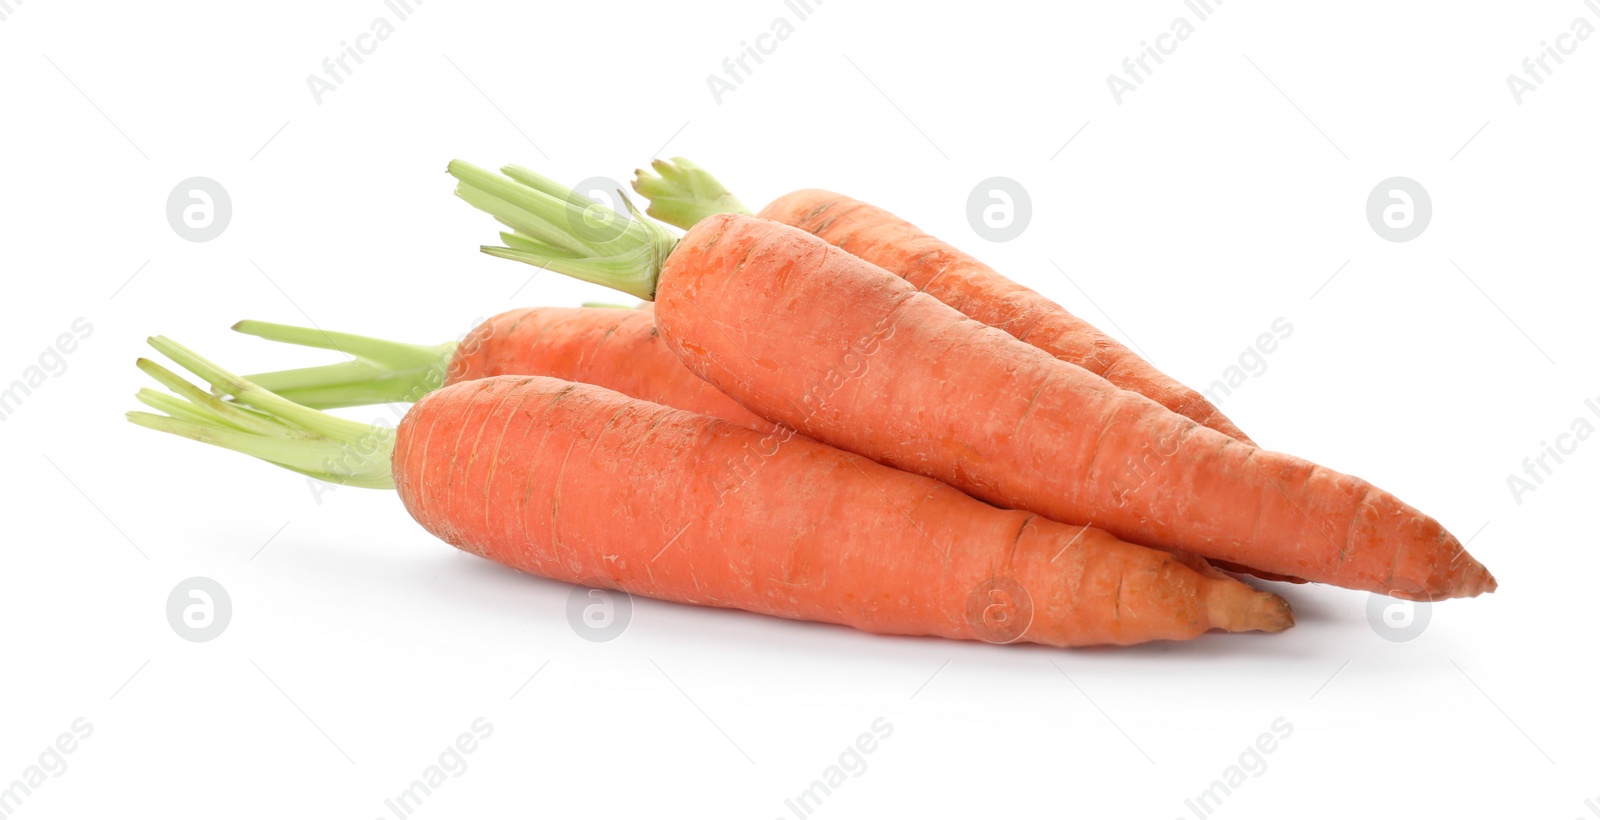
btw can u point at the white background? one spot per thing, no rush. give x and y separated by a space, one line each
1224 193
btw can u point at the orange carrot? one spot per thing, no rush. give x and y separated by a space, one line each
581 484
617 349
809 336
684 194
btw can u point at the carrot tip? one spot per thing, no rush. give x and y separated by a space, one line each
681 193
1253 611
1272 613
1475 581
1466 578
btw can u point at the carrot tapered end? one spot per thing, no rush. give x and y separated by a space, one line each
1270 614
1461 577
1235 607
1473 580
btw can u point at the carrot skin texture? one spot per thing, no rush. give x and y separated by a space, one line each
616 348
977 290
868 363
581 484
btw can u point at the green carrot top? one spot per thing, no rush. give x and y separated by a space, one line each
382 372
244 417
554 227
682 193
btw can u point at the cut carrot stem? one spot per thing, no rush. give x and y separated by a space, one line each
265 425
553 232
396 355
383 372
615 348
682 193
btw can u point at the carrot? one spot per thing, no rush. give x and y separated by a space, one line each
812 337
618 349
684 194
615 348
582 484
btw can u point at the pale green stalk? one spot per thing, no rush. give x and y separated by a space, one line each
383 372
556 228
681 193
242 416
